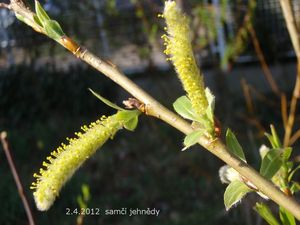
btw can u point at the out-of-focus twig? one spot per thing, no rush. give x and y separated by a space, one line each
3 137
251 118
262 60
247 95
284 113
295 137
292 28
4 5
293 107
291 25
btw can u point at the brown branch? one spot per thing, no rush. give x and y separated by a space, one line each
10 160
295 137
292 29
4 5
293 107
154 108
248 98
283 107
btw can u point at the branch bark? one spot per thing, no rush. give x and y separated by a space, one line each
154 108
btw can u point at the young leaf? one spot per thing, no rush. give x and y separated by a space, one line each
211 104
286 217
105 101
131 124
81 202
264 211
234 192
192 138
183 107
295 187
129 118
41 13
293 173
233 145
37 20
286 154
20 17
276 140
53 29
271 163
86 192
270 137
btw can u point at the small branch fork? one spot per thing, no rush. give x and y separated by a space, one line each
10 160
154 108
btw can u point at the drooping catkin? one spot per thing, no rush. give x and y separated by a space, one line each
66 159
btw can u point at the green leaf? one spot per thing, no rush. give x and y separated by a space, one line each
233 145
293 173
295 187
192 139
129 118
211 104
80 202
53 29
276 140
131 124
37 20
264 211
41 13
20 17
270 137
271 163
286 154
286 217
234 192
85 192
183 107
106 101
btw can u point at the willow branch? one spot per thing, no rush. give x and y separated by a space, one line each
294 35
5 145
155 109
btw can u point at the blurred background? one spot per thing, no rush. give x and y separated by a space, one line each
247 59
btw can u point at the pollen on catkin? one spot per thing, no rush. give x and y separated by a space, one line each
66 159
179 50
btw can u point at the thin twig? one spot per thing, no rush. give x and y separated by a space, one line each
10 160
262 60
283 104
295 137
293 107
251 118
292 28
247 95
154 108
4 5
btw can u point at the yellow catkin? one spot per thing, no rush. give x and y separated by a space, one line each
179 50
64 161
